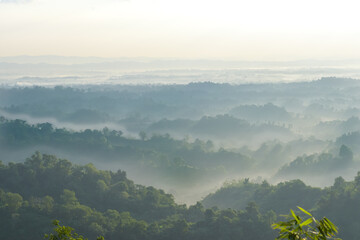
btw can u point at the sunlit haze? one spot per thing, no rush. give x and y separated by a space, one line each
233 30
179 119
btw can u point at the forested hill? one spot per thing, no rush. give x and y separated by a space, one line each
106 203
190 169
157 160
339 202
98 202
279 198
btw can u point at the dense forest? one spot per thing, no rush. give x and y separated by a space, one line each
177 165
102 202
206 160
107 203
338 202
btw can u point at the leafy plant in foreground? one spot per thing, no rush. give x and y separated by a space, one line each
298 229
65 233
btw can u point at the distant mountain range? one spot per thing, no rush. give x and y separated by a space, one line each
71 60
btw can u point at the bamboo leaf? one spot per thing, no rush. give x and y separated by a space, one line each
304 211
307 222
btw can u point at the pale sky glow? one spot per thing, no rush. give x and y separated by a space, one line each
228 29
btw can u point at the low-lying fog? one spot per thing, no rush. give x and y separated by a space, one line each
190 138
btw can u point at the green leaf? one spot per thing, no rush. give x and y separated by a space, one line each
304 211
294 216
307 222
293 229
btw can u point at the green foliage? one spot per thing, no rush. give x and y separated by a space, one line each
279 198
341 204
13 201
296 228
159 157
106 203
315 164
65 233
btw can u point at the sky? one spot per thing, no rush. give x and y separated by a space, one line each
257 30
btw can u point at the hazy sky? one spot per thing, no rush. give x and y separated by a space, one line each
227 29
